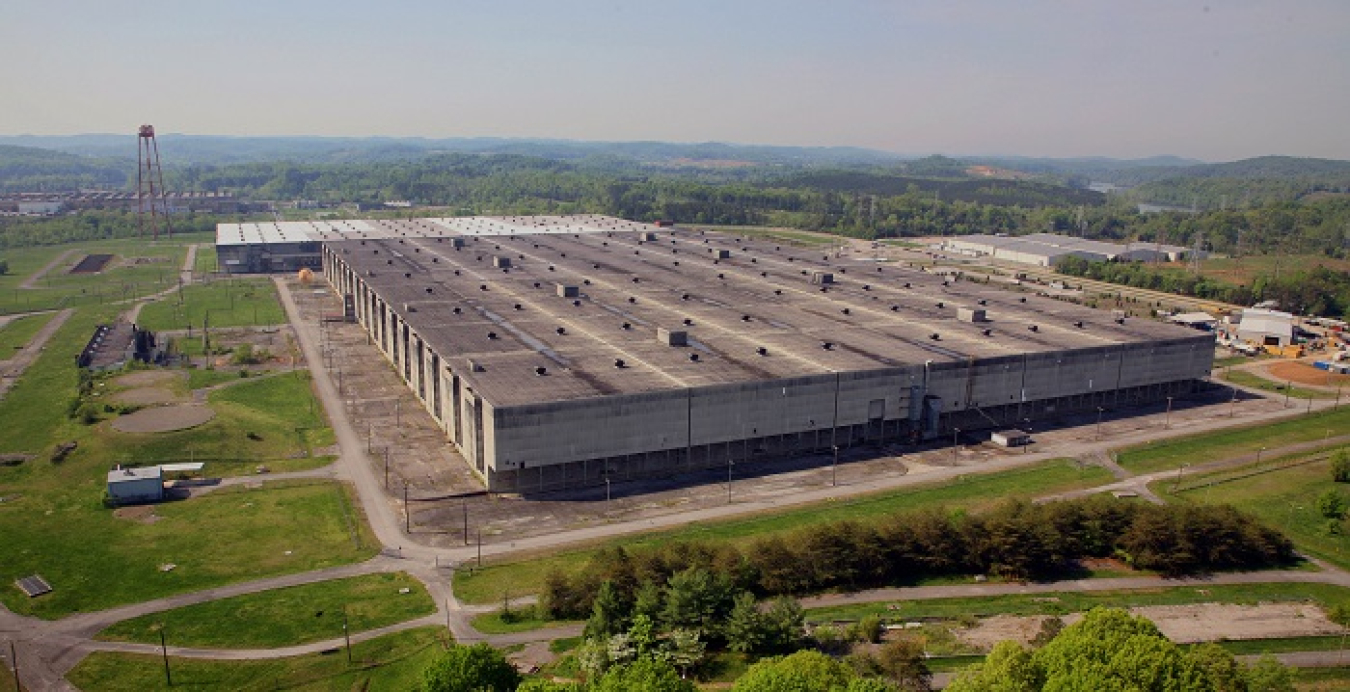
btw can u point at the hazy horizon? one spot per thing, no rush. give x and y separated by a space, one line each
1214 82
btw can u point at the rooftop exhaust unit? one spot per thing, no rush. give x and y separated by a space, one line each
971 315
567 291
501 262
671 337
822 278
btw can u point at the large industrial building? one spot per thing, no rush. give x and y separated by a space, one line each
1049 249
561 351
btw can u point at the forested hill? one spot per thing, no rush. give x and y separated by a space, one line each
208 150
1250 182
28 169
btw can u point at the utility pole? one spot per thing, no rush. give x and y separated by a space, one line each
730 464
386 468
164 647
956 434
14 659
465 505
347 634
479 562
1167 421
834 467
407 510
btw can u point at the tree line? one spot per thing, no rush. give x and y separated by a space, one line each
1015 540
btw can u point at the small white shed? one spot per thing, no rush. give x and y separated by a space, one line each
136 485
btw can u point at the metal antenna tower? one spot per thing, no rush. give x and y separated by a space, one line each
150 185
1195 253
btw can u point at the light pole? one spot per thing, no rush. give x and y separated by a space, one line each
347 634
834 467
1181 469
1026 447
1232 403
164 648
1167 418
1100 410
1258 456
1287 386
730 464
956 434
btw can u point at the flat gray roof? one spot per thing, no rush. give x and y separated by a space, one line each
877 315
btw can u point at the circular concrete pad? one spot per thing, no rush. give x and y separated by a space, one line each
164 419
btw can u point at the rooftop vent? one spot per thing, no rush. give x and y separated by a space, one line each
762 351
684 296
845 311
492 336
693 357
429 289
970 314
745 318
1034 328
482 287
475 366
987 332
867 287
566 291
688 322
723 254
778 291
1120 320
720 275
906 284
586 281
576 303
536 284
935 336
632 300
540 371
457 310
1023 299
828 345
672 338
625 326
518 306
940 305
618 363
822 278
982 301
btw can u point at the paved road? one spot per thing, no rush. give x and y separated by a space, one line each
12 368
37 275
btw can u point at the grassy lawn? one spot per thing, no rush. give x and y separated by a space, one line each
284 617
522 620
157 271
201 378
969 492
392 662
1284 499
784 235
1064 602
17 334
1197 449
1232 360
96 560
206 260
1248 379
225 302
1322 679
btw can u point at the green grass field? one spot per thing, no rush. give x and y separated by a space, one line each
1197 449
1248 379
1284 499
1322 679
971 492
224 302
17 334
284 617
1064 602
156 271
96 560
206 260
392 662
523 620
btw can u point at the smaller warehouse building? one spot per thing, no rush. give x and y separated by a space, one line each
131 486
1049 250
1266 327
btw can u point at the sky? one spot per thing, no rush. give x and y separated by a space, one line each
1216 80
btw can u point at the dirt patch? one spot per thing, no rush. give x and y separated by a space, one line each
164 419
993 630
1302 373
147 378
1183 624
146 396
142 514
1207 621
534 656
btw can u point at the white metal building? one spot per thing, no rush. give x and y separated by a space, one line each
1266 327
129 485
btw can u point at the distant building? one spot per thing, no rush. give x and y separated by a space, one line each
1049 249
40 207
129 486
1195 320
1266 327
